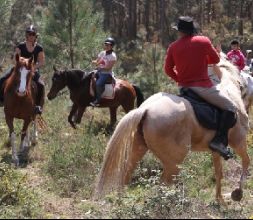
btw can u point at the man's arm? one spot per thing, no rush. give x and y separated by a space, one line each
169 65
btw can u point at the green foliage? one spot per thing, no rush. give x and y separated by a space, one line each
72 27
16 200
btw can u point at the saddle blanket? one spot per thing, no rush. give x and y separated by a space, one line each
109 92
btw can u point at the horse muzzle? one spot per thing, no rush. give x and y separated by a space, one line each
21 94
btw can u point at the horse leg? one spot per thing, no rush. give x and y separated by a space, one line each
218 176
138 151
12 139
34 136
171 157
128 105
24 137
113 116
71 114
79 116
237 194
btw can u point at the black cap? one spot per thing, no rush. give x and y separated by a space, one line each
110 40
186 25
235 42
31 29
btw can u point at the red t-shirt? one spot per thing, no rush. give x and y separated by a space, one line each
187 60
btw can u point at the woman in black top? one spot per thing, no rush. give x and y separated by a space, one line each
27 49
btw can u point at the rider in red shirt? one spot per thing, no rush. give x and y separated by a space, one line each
187 62
236 56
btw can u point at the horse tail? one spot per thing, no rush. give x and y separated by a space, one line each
140 97
117 159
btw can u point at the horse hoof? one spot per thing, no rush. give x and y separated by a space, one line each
34 143
237 195
15 162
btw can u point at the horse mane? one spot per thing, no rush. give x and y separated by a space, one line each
231 84
74 77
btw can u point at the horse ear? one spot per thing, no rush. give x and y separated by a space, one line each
17 57
31 60
55 69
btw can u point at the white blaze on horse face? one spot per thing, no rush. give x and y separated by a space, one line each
22 87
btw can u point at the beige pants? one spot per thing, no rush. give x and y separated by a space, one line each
215 97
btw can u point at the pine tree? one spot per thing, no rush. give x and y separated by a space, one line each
73 33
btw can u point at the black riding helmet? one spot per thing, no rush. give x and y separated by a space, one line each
31 29
110 40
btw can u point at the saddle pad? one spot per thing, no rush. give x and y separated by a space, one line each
207 114
109 92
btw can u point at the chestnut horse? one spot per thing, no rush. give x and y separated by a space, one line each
19 102
78 83
166 125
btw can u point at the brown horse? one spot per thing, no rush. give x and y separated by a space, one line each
78 83
19 102
167 126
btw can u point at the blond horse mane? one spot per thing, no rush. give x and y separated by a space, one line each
231 84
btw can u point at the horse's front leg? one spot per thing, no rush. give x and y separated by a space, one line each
237 194
71 114
12 139
24 137
218 176
79 115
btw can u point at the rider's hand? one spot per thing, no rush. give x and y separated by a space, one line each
94 62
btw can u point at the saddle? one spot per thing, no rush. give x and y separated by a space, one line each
109 92
207 114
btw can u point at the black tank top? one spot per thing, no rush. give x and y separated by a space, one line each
26 54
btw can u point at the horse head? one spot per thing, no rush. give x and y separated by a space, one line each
22 75
59 81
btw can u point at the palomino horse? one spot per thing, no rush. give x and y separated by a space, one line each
248 80
19 102
166 125
78 83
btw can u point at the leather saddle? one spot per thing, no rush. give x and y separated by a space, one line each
207 114
109 92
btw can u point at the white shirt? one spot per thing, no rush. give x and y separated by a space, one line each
103 59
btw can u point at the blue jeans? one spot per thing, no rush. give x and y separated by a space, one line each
100 83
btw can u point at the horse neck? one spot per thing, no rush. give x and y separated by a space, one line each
73 79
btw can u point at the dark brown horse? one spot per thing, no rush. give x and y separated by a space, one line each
19 102
78 83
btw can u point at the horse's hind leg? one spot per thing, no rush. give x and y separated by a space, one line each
34 134
218 176
171 157
138 151
242 152
113 116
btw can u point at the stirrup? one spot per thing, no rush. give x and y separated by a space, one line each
95 103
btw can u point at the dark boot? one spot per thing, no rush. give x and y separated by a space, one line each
220 141
40 100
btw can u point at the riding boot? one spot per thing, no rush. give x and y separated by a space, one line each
220 141
40 100
99 92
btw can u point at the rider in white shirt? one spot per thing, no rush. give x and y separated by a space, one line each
105 62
